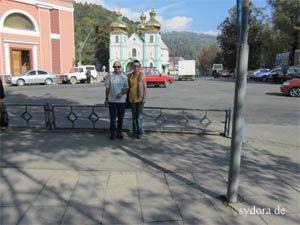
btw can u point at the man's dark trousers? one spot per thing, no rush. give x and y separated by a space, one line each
116 110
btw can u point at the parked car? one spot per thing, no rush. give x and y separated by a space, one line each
291 88
250 73
224 73
286 73
33 77
79 74
266 76
154 77
257 74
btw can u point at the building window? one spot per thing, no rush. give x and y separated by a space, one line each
117 39
134 52
18 21
54 18
151 39
151 64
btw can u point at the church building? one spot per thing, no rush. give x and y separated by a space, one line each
144 45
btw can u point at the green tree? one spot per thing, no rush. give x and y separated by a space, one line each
87 17
228 38
207 57
272 45
286 20
102 48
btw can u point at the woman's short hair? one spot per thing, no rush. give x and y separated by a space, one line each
136 61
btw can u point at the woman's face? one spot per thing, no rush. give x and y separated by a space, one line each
136 67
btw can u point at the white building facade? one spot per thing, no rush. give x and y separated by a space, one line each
145 45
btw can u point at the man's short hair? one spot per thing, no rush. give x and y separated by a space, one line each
117 62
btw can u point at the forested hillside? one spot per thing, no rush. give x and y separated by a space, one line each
96 50
187 44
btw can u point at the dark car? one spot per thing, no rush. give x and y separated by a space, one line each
286 73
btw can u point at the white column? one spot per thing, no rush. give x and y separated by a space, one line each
7 59
35 62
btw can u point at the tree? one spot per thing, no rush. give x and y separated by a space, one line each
87 17
102 47
272 45
228 38
207 57
286 20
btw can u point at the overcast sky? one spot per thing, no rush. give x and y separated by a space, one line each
175 15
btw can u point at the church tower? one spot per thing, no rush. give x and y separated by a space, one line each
145 45
118 38
152 42
141 29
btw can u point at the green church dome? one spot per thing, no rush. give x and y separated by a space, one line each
153 24
141 27
119 25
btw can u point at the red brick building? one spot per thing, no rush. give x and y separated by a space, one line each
36 34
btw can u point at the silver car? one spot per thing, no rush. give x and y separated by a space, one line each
33 77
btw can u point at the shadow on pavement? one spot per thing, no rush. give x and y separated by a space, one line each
78 178
276 94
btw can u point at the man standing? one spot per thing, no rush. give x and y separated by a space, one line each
3 112
88 76
136 98
115 96
1 92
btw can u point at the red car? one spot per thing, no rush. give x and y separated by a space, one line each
291 88
224 73
154 77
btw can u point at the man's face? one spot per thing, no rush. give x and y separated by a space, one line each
117 67
136 67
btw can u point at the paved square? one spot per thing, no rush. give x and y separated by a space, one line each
164 179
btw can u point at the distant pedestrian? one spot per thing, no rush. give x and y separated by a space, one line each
3 110
214 73
115 96
136 98
88 76
24 68
2 95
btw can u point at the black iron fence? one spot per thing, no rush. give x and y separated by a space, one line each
96 117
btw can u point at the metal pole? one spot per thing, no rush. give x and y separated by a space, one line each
239 106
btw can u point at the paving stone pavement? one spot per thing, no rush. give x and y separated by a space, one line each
83 179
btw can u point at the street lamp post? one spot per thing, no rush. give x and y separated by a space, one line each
239 106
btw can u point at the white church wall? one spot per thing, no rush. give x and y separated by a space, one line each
165 56
149 44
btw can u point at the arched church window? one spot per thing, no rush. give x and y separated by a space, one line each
151 39
117 39
134 52
151 64
18 21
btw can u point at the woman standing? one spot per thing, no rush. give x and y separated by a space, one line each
136 98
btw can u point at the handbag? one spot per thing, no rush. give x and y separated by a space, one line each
4 121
